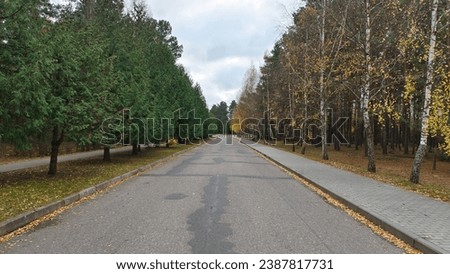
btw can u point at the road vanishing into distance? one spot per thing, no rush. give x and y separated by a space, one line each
217 198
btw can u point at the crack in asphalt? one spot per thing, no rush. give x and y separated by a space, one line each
210 234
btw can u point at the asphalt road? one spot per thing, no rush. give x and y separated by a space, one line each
218 198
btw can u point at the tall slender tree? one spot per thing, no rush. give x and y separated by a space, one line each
365 91
420 154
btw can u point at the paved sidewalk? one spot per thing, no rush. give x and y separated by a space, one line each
62 158
422 222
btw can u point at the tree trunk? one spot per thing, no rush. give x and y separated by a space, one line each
57 140
365 96
415 173
435 156
385 133
107 154
135 150
420 154
411 124
354 125
324 132
406 136
371 167
337 144
358 136
393 137
53 159
384 140
293 145
323 117
303 149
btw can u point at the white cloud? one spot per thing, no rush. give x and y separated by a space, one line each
218 78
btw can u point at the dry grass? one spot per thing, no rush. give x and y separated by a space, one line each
393 169
25 190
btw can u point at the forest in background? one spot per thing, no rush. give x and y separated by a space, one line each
93 72
384 65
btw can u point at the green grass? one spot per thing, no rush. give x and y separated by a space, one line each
24 190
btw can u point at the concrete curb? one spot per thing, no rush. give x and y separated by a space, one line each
23 219
398 231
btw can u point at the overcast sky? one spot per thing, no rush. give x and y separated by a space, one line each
221 38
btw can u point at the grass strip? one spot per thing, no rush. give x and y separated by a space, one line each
28 189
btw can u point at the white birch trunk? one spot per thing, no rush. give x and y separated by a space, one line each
365 92
420 154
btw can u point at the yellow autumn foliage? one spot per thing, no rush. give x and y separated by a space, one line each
440 108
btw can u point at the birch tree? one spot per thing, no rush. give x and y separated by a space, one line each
421 151
365 91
